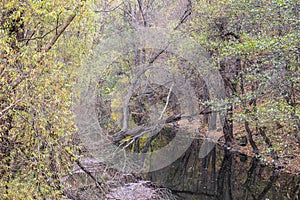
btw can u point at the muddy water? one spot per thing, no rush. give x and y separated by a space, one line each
225 175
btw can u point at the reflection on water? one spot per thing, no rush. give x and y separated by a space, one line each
225 175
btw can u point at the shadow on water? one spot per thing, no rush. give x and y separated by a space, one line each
225 175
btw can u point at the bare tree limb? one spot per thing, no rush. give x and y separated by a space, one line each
167 102
59 32
99 185
111 10
144 69
142 12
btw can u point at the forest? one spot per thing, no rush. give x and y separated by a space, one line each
142 99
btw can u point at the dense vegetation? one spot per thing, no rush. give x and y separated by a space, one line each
256 46
253 44
39 54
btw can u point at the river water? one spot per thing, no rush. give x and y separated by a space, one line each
225 175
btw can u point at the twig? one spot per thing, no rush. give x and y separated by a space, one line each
142 12
98 184
111 10
60 31
166 105
144 69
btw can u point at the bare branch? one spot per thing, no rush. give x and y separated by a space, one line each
99 185
59 32
142 12
145 68
166 105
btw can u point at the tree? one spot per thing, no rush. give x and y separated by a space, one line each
255 44
39 41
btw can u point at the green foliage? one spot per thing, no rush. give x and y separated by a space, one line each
256 45
39 50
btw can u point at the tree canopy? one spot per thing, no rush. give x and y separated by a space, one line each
254 45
